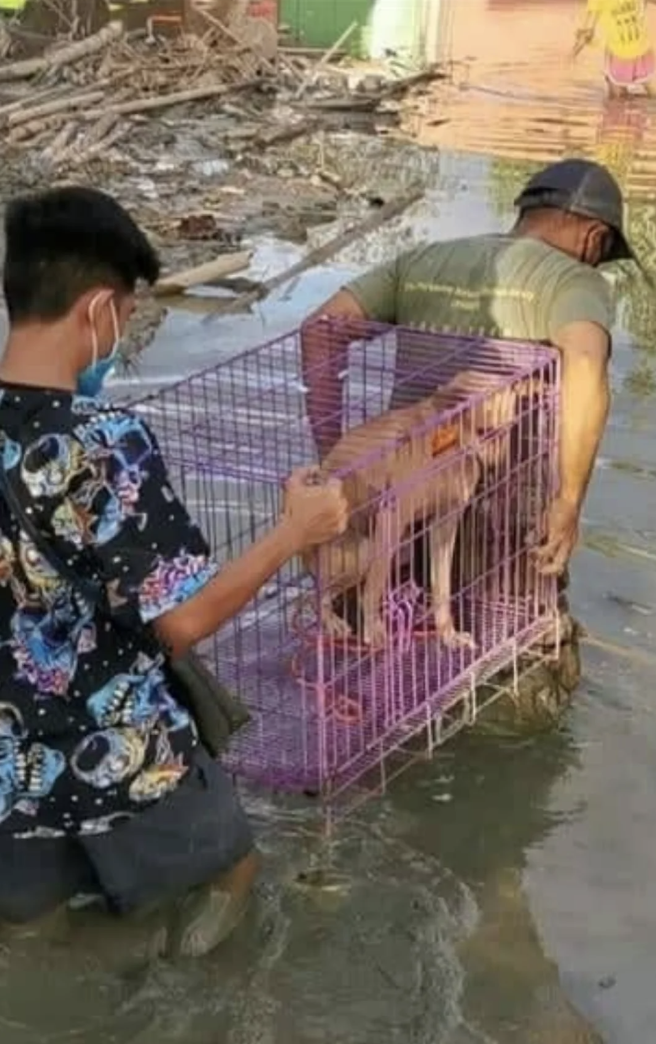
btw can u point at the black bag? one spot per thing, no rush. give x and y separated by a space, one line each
216 711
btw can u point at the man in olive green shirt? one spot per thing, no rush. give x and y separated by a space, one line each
539 282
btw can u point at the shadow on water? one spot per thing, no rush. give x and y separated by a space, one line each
451 908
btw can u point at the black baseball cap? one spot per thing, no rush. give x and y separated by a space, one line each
580 186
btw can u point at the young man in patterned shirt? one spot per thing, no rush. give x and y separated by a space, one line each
104 786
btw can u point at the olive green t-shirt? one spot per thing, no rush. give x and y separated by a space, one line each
509 287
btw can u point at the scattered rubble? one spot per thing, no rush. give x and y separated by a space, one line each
211 138
81 95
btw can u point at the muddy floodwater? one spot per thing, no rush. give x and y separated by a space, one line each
497 889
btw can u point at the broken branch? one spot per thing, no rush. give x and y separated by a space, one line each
319 255
203 275
61 105
161 101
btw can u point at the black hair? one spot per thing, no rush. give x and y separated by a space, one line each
530 217
551 215
536 215
64 242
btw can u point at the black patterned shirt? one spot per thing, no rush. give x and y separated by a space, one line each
90 732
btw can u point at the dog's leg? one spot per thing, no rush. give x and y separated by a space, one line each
442 543
442 538
342 567
385 545
332 625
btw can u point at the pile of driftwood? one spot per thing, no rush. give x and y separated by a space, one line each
78 99
80 95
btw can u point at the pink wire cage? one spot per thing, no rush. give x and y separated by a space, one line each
328 709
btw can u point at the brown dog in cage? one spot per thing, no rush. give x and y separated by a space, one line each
399 470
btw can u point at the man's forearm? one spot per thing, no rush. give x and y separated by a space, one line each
324 355
325 339
229 591
585 403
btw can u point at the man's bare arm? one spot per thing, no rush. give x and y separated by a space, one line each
225 595
313 515
324 355
585 404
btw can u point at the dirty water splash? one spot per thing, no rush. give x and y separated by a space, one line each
311 964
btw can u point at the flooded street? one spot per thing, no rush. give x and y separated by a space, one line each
504 881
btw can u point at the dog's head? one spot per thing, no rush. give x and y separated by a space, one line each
493 413
499 405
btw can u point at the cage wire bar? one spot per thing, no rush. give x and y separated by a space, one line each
330 711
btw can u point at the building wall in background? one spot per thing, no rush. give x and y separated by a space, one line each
318 23
412 29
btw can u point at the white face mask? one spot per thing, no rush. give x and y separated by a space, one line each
90 381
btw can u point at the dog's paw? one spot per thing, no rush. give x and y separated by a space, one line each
454 639
334 626
375 633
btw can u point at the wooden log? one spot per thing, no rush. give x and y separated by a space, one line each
27 100
59 105
202 275
31 126
161 101
75 52
319 255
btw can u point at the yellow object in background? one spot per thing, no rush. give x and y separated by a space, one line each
622 25
12 5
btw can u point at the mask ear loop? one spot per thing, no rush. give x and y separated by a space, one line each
94 332
117 332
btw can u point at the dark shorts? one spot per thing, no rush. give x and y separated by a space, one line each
189 837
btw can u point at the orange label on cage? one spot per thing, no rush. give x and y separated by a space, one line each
444 439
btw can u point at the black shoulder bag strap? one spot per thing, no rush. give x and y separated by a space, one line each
217 712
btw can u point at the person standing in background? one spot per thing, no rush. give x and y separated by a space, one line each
624 31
